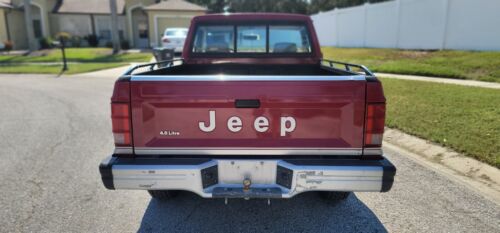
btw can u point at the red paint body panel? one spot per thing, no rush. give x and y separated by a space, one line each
375 92
328 114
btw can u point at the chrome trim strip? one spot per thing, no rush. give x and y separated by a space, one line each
373 151
245 78
129 69
248 151
123 150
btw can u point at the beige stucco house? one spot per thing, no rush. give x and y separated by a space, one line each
140 22
3 24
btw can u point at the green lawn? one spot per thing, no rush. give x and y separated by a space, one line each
78 55
56 69
90 59
466 119
483 66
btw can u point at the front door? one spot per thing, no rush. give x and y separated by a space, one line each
141 29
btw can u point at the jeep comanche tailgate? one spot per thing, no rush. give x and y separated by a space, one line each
250 115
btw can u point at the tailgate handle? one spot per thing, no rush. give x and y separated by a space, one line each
247 103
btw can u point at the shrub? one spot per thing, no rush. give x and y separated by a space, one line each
125 44
64 35
76 41
8 45
45 42
93 40
109 44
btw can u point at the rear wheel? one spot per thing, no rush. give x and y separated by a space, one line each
334 196
163 195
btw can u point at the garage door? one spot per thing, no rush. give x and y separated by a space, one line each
164 23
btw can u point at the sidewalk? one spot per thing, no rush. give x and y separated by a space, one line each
470 83
113 72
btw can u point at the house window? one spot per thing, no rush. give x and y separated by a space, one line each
37 28
105 34
121 35
142 28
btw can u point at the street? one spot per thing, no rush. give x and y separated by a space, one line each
55 131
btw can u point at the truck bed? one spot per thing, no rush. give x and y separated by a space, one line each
250 69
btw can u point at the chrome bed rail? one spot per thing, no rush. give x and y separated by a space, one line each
347 66
154 66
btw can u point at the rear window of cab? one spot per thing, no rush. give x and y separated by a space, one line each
255 39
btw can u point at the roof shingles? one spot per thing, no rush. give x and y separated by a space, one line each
176 5
89 7
5 4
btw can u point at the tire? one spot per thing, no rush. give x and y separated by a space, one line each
334 196
163 195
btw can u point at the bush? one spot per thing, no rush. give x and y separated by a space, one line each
64 35
109 44
93 40
125 44
76 41
8 45
45 42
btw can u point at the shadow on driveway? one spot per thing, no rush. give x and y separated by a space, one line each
304 213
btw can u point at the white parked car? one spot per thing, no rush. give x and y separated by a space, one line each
174 38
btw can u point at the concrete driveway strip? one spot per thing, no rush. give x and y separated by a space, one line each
55 131
462 82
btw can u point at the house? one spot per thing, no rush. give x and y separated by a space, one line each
3 24
140 22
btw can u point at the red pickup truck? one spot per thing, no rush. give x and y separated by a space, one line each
251 110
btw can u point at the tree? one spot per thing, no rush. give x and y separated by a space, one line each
285 6
316 6
214 6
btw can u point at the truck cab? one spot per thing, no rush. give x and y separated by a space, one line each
251 110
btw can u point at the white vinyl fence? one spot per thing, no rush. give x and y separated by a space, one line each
413 24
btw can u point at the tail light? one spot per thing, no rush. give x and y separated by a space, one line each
374 120
121 117
165 40
374 124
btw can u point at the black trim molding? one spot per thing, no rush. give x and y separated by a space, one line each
105 168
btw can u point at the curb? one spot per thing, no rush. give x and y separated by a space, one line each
476 175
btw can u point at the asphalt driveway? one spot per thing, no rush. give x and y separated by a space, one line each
55 131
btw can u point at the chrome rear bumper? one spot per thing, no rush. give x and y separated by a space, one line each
270 178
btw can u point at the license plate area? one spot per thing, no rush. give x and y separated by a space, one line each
221 192
259 172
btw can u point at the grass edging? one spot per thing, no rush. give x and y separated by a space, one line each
80 60
472 65
466 119
73 68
